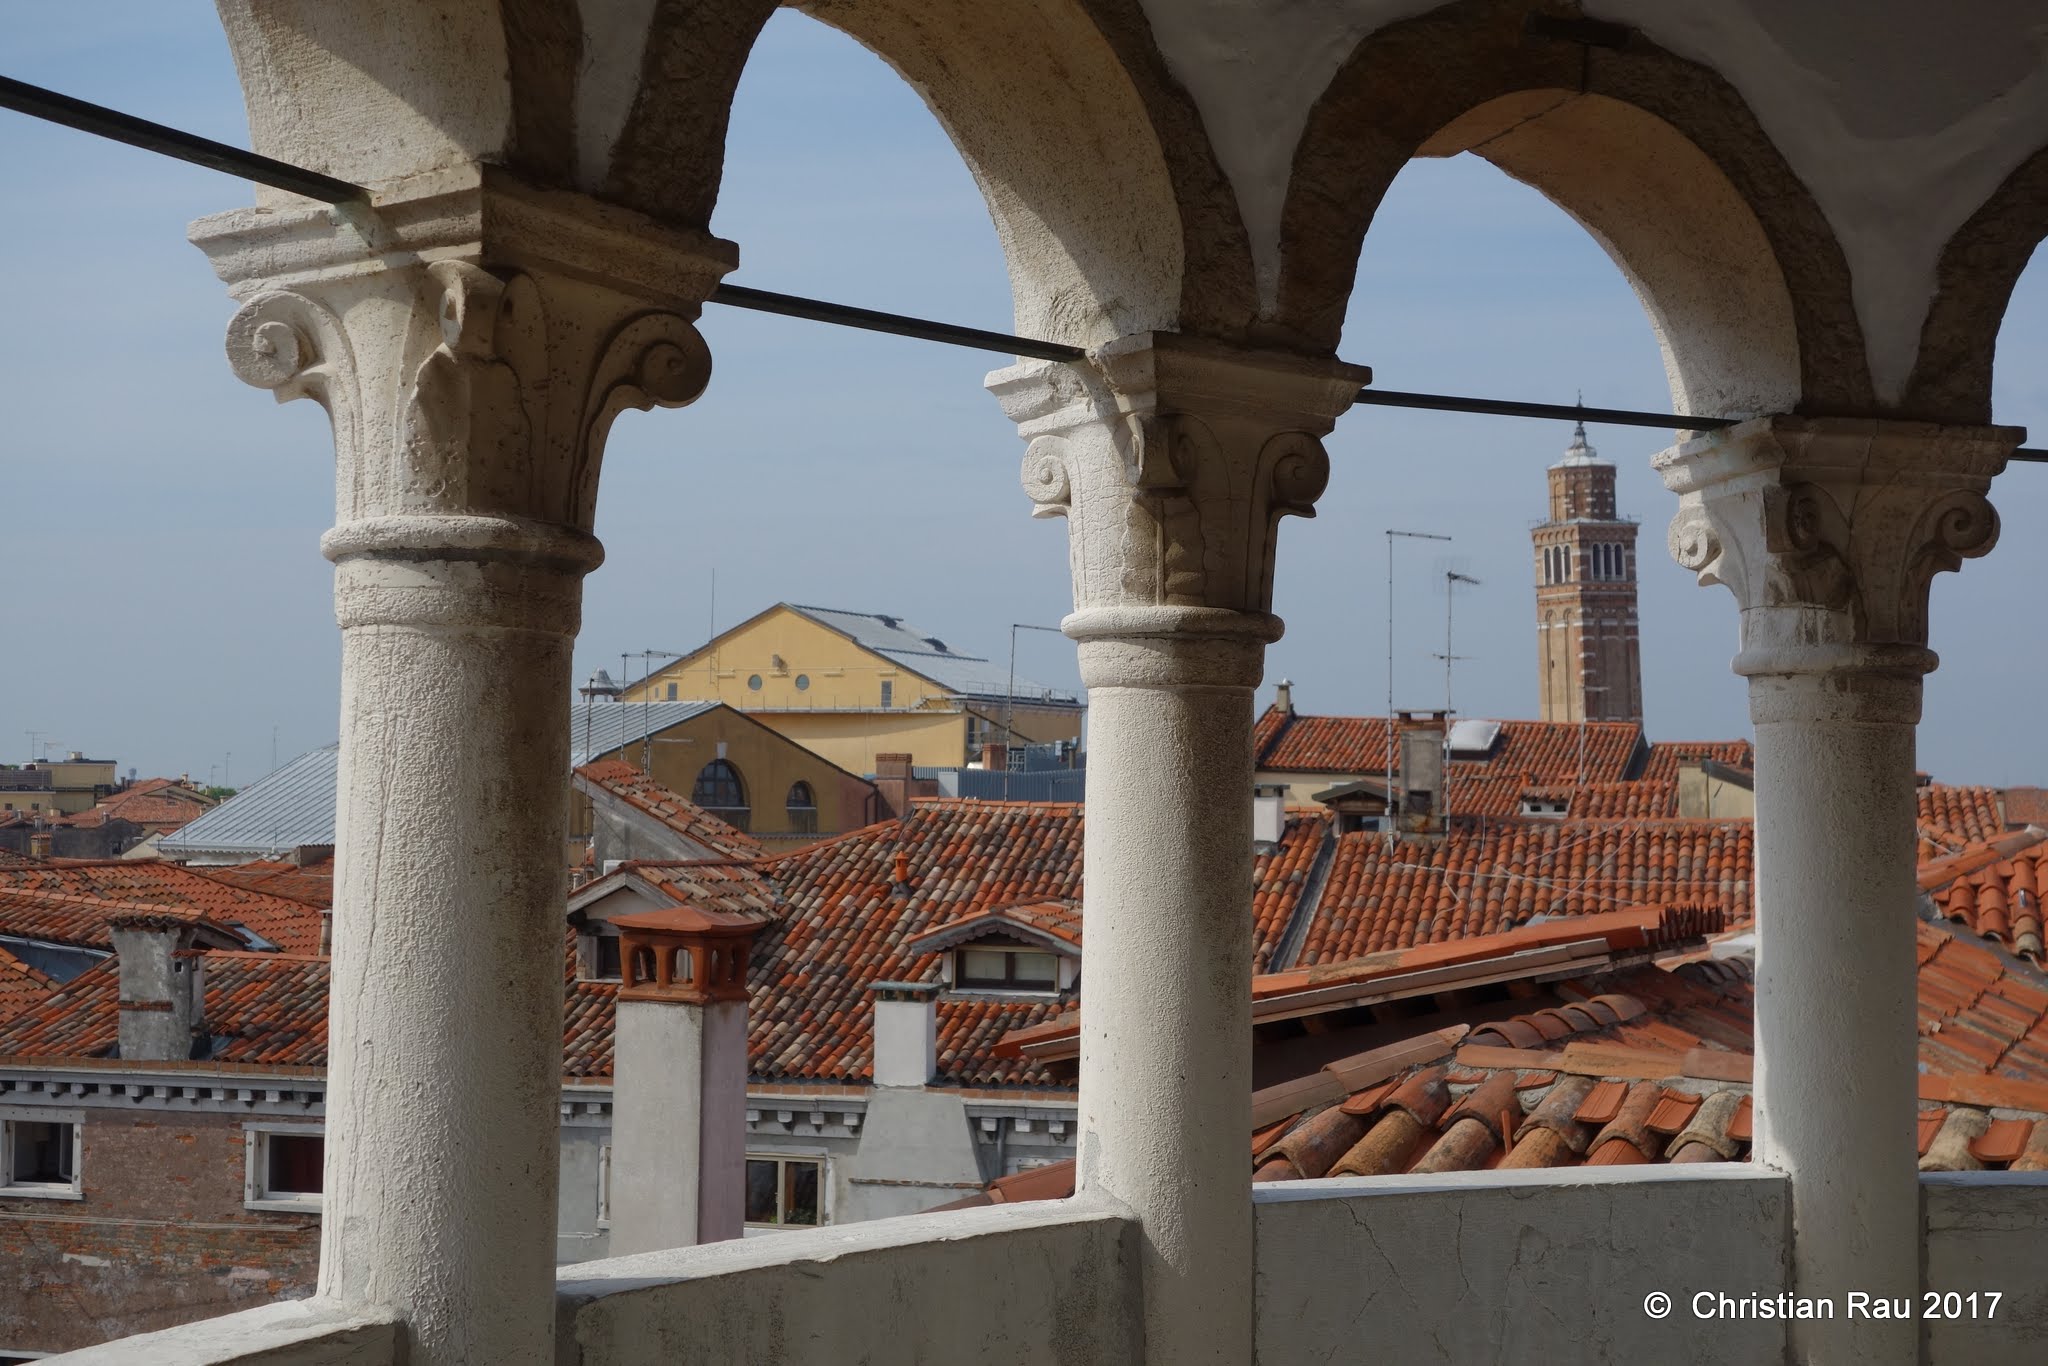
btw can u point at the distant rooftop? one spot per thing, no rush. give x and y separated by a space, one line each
917 649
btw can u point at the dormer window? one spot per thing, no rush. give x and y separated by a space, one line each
988 966
1027 949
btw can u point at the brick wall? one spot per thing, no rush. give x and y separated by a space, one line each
160 1238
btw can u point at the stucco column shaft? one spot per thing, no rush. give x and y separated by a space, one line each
445 1011
1165 1108
1836 1028
472 339
1829 532
1173 461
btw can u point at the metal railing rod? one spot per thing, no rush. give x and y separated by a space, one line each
97 119
898 324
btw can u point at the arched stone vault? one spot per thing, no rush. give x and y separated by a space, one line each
1110 207
1659 158
1979 267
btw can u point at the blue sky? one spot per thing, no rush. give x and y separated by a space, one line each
168 605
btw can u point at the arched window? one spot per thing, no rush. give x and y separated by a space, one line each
803 809
720 791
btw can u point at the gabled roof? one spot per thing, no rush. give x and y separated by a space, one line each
916 649
663 805
291 925
285 808
737 888
1054 925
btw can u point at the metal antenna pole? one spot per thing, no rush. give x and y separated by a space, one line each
1451 581
1412 536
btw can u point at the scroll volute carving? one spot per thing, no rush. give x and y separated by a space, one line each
1818 523
1172 509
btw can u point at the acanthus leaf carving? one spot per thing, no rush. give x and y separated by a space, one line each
653 359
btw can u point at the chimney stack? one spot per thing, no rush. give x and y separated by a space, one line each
906 1033
1283 696
1422 771
995 757
679 1085
892 781
163 987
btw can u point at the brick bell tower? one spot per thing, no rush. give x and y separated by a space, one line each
1587 650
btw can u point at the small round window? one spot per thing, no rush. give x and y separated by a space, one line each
753 682
803 682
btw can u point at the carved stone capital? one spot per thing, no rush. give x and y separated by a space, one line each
472 340
1829 531
1173 460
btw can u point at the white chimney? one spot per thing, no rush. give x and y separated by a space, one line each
906 1033
1269 819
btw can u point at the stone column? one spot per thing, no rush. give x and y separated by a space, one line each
471 339
1173 461
1829 532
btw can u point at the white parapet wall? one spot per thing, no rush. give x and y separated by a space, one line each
1024 1284
1544 1265
1987 1236
293 1333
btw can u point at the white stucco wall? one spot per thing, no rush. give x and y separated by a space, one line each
1987 1231
916 1151
1517 1266
1029 1284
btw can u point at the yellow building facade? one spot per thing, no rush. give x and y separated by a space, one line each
851 685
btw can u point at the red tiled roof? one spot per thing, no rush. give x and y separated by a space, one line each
686 818
1609 801
1951 817
311 882
1528 752
1279 878
1666 757
21 986
1040 920
292 925
267 1008
1995 888
87 921
732 888
1642 1065
1416 890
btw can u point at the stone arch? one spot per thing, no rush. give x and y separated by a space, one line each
1112 212
1951 379
1658 158
1108 201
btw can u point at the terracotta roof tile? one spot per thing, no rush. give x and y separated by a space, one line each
292 925
1381 895
679 814
21 986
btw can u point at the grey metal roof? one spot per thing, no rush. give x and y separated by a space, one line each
911 646
283 809
295 804
600 727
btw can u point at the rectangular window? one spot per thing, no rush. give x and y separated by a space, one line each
888 693
283 1167
1008 970
783 1192
604 1183
42 1157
